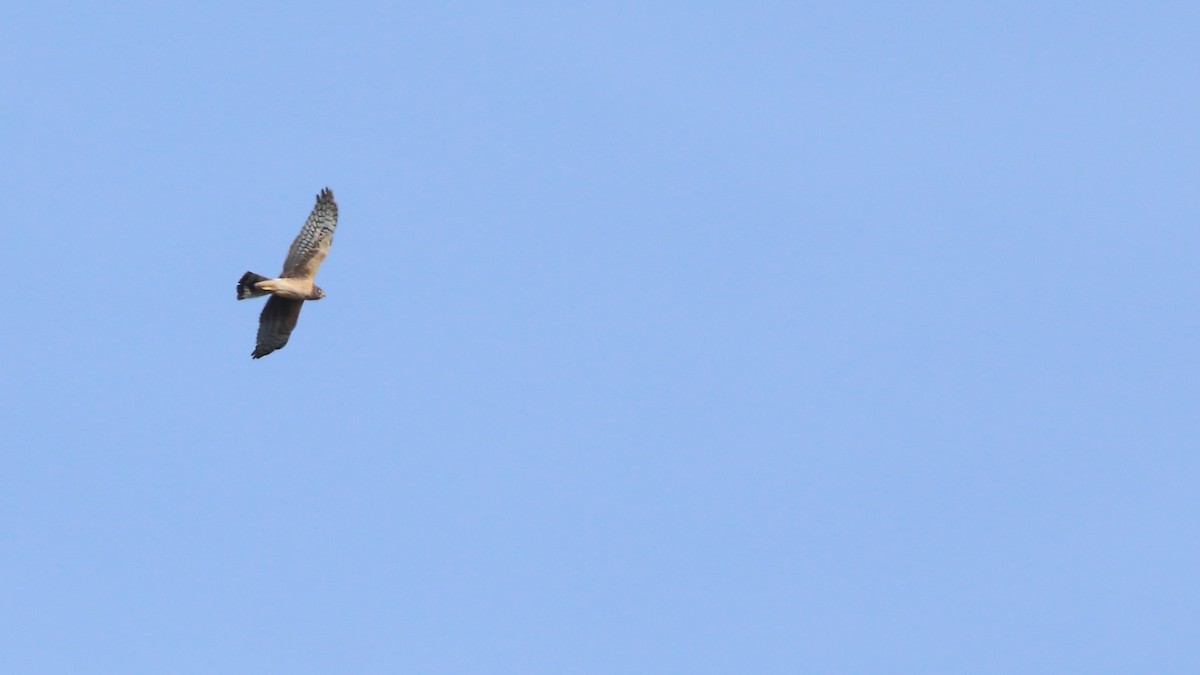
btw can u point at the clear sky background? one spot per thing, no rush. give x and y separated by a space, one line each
744 337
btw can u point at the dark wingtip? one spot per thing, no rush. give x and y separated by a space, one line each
260 352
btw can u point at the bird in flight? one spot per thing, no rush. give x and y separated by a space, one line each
295 283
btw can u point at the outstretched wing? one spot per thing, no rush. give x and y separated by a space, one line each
275 324
312 244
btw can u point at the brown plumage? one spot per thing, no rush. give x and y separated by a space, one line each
295 283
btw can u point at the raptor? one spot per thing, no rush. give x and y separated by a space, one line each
294 284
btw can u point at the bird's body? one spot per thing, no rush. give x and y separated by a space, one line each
295 284
292 289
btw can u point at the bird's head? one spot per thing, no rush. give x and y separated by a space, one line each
316 294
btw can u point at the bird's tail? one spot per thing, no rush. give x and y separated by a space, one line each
246 287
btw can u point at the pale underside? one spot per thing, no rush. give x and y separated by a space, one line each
292 289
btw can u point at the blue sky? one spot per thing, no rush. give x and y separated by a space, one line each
659 338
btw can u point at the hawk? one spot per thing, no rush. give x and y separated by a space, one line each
295 283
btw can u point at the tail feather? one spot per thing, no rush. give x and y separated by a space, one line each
245 287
